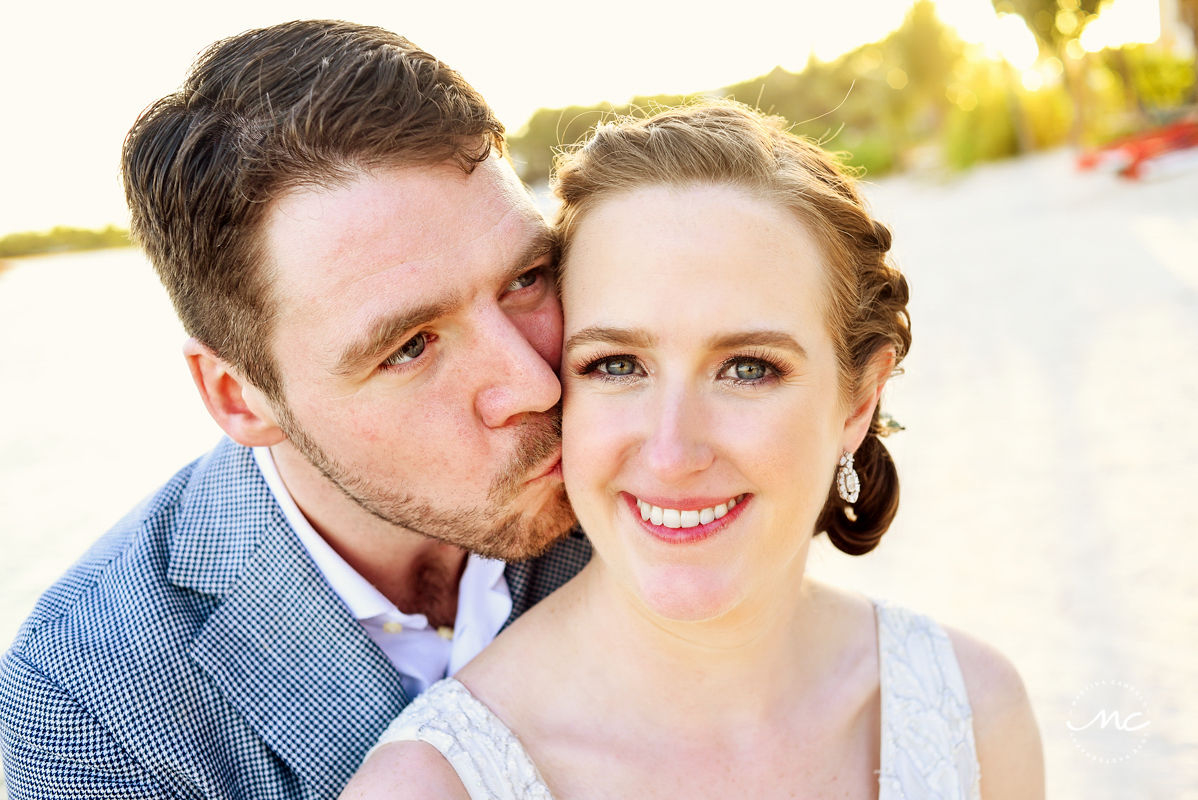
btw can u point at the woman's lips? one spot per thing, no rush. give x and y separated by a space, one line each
686 521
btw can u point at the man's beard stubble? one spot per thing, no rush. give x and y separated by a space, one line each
512 536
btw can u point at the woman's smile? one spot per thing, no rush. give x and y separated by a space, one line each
685 521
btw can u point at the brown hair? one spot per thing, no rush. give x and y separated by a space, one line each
727 143
261 113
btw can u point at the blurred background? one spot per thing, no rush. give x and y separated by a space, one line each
1037 161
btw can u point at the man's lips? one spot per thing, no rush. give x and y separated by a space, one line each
554 469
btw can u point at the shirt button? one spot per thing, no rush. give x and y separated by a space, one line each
445 632
393 627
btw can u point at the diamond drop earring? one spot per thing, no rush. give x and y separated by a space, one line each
848 485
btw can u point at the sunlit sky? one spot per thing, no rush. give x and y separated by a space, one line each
74 76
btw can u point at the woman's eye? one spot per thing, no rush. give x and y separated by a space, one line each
617 366
525 280
748 370
408 351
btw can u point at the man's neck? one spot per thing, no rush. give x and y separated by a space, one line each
418 574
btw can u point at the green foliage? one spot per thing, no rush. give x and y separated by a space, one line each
1160 79
875 155
548 130
873 103
1054 22
1048 113
61 240
983 128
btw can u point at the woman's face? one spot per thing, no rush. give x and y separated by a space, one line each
702 422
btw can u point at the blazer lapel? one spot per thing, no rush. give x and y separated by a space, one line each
281 647
298 667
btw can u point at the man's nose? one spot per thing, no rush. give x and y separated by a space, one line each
516 380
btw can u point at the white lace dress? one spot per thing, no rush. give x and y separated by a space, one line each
928 750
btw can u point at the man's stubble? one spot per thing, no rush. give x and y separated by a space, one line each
508 535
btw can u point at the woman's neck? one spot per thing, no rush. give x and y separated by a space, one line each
745 665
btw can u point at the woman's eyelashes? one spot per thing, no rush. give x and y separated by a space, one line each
740 370
409 351
618 368
750 370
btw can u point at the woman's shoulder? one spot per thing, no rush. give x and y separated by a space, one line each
405 762
996 704
448 743
1008 740
403 770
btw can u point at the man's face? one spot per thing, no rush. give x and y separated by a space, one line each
418 334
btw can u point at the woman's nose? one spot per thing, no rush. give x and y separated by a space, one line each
677 443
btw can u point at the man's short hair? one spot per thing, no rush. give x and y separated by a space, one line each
302 103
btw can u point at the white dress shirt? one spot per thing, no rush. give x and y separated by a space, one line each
420 653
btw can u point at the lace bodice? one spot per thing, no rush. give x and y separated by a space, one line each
487 756
927 725
928 750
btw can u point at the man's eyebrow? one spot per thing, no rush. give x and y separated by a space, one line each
778 339
542 244
620 337
383 333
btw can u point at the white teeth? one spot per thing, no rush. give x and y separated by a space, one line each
675 518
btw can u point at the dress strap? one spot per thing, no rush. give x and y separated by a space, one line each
487 756
928 748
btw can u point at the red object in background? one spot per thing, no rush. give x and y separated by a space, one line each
1132 153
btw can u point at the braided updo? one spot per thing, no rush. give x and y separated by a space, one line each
728 143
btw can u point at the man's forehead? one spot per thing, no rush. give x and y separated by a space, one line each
319 237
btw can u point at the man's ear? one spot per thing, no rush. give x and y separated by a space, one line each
873 381
240 409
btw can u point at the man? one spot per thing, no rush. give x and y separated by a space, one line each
374 324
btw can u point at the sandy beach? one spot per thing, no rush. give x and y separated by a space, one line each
1049 451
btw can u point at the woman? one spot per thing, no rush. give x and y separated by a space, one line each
731 320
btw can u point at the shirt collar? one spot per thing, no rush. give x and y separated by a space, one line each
484 601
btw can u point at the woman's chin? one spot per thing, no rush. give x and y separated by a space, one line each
688 594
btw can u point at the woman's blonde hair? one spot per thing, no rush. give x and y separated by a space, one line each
866 309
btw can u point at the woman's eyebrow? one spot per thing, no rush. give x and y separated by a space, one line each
640 338
779 339
621 337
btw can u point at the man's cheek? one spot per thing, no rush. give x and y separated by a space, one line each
543 330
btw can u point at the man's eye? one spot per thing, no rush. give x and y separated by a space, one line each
408 351
617 366
525 280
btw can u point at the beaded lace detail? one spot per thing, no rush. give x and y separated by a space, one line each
928 750
487 756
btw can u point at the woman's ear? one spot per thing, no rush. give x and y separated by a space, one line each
240 409
861 413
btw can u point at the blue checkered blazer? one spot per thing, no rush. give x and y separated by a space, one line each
197 652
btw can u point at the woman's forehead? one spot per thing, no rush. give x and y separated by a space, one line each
686 238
